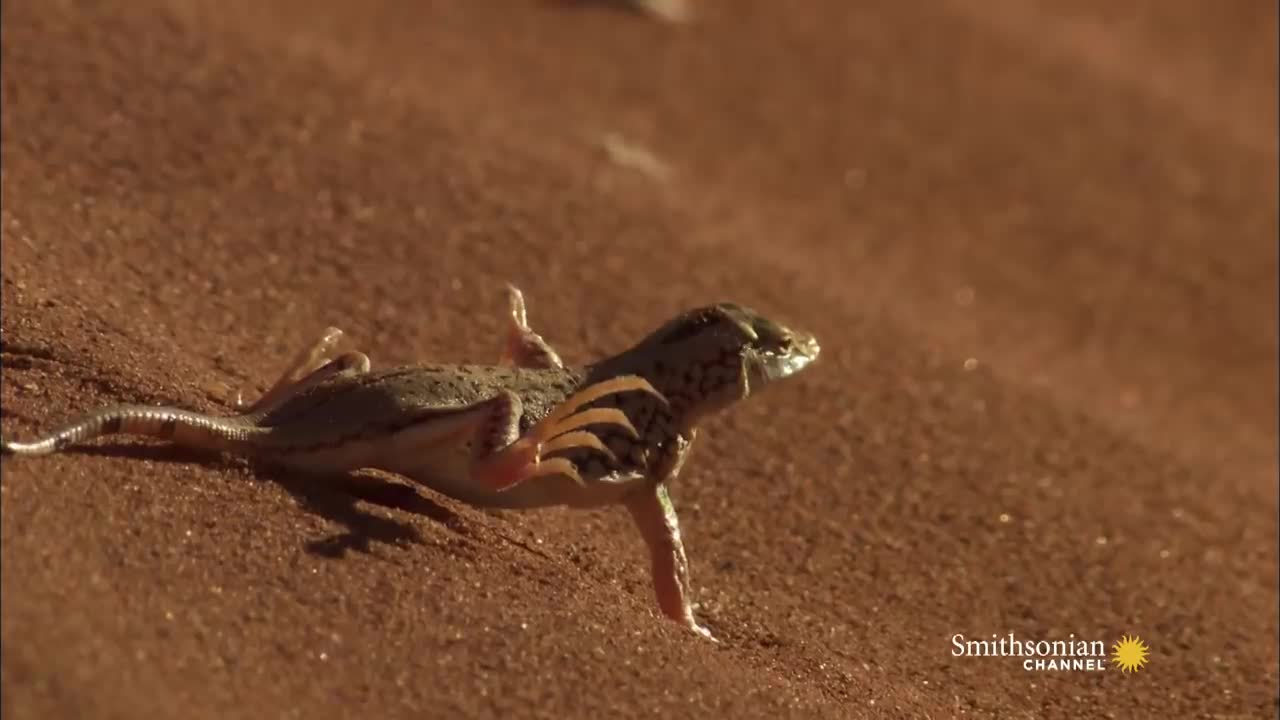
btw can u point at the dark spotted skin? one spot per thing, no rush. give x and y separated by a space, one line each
322 416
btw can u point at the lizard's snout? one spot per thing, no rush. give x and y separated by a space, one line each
801 352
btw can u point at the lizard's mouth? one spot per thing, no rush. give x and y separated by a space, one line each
802 351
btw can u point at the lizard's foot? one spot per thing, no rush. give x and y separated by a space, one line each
350 362
702 630
561 429
524 347
310 366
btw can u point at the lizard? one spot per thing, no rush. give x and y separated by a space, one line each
527 432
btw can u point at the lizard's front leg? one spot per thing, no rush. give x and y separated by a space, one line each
655 518
524 347
311 365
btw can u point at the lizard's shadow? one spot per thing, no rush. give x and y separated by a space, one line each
336 498
156 453
333 497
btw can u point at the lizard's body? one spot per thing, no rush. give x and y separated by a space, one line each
387 419
529 432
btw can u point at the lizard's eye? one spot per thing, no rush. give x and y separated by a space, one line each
771 337
779 345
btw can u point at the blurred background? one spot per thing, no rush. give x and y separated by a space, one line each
1036 239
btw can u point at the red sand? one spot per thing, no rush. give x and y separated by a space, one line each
1081 198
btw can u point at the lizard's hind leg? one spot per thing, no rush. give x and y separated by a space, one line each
504 458
311 365
524 347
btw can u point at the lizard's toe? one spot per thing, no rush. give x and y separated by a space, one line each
602 416
509 469
578 439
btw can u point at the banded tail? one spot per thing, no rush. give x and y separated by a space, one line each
182 427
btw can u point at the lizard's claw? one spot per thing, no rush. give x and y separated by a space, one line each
305 364
560 430
524 347
515 300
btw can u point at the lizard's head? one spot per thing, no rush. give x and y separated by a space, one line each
722 353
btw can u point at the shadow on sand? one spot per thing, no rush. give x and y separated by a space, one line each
335 498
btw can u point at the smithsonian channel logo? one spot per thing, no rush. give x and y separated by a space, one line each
1128 654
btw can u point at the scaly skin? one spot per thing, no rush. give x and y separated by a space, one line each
528 432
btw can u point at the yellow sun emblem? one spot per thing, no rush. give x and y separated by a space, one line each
1130 654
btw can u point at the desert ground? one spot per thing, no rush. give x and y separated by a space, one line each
1037 242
